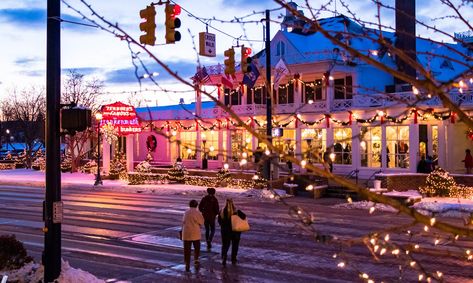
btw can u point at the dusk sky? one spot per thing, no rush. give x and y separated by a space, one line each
99 54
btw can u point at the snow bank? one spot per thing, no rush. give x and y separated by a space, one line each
34 272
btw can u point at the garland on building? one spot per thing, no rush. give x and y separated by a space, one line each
177 173
352 118
439 183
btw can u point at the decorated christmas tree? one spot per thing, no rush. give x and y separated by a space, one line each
66 163
117 166
177 173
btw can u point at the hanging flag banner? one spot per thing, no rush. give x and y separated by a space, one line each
251 77
280 71
201 76
122 116
207 44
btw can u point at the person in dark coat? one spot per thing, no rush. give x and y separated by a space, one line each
423 166
209 208
468 161
229 237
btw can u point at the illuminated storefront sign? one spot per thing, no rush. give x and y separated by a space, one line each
122 117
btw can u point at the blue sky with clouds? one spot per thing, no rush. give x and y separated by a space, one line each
99 54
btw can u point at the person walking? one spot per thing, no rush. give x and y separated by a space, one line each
229 237
191 223
468 161
209 208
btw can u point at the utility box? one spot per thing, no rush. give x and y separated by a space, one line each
75 119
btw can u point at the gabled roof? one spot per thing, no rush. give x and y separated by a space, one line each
314 47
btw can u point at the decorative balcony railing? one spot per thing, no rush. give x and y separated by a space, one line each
359 102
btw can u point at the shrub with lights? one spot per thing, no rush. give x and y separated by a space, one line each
39 164
439 183
117 167
66 163
177 173
224 176
89 168
259 180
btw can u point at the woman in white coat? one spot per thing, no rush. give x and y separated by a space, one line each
191 224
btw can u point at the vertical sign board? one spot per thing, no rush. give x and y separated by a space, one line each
207 44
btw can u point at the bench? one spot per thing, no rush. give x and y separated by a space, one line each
291 188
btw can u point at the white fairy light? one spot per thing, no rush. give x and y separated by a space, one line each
412 263
437 241
432 221
303 163
174 133
226 166
341 264
383 251
373 241
395 252
243 162
415 90
365 276
309 188
267 152
426 228
421 277
386 238
350 200
416 246
372 209
310 101
439 274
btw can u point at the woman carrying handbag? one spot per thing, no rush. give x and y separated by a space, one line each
229 237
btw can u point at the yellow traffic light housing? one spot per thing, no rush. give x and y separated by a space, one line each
148 26
172 22
245 60
230 62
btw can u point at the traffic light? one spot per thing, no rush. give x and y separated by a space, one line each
172 10
230 62
245 60
148 26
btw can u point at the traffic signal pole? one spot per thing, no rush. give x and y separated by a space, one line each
52 208
269 93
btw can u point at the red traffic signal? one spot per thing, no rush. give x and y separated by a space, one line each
245 60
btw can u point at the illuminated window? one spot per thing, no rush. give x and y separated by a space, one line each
370 146
435 142
342 145
286 143
313 144
286 93
209 143
188 150
397 142
313 91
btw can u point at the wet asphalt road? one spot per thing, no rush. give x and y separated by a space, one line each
132 237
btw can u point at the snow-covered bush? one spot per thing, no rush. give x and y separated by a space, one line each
13 254
143 167
177 173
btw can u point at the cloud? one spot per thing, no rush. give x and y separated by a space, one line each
184 69
35 18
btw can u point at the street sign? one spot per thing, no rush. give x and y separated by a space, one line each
207 44
58 211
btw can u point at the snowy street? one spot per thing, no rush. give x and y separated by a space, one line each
129 234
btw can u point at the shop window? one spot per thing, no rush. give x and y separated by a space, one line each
286 143
313 144
343 88
241 145
313 91
187 146
286 93
342 145
397 146
209 144
370 147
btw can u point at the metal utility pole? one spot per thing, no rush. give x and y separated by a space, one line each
269 94
52 208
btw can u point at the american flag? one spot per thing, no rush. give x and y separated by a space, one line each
201 76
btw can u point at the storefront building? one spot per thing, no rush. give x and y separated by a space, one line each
329 102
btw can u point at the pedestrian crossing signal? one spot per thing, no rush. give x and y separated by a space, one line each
148 26
172 22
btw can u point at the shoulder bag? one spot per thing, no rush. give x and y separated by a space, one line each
239 225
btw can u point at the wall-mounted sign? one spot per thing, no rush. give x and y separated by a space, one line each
122 117
207 44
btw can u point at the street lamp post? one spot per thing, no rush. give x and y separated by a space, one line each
204 160
98 179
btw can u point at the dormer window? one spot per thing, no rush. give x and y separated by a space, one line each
280 48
